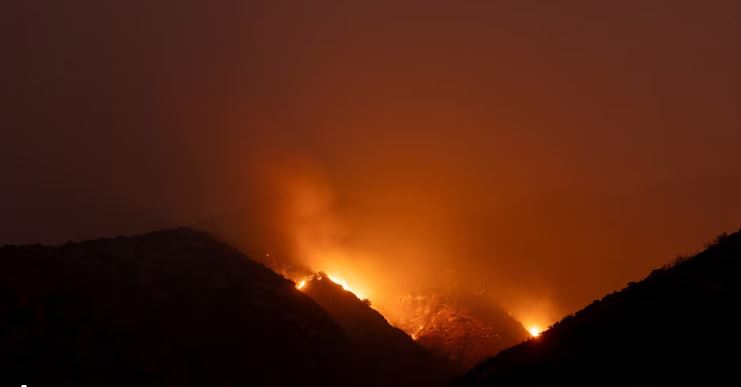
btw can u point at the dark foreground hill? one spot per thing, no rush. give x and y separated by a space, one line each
171 308
679 326
390 354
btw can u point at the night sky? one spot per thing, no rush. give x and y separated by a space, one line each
542 152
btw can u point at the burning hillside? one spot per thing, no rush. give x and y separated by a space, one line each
464 329
455 325
391 355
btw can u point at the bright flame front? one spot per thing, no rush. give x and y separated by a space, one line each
301 284
343 283
534 331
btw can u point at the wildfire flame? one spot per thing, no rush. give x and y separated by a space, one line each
343 283
301 284
534 330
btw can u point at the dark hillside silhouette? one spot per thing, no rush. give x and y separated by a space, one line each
170 308
676 327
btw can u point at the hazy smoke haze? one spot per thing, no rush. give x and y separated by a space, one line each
542 153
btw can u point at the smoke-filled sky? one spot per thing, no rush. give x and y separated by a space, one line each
542 152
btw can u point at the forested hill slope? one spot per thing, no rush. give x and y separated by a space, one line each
677 326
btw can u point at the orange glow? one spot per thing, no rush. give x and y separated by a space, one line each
534 330
301 284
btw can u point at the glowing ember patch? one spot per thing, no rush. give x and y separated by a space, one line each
534 331
301 284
